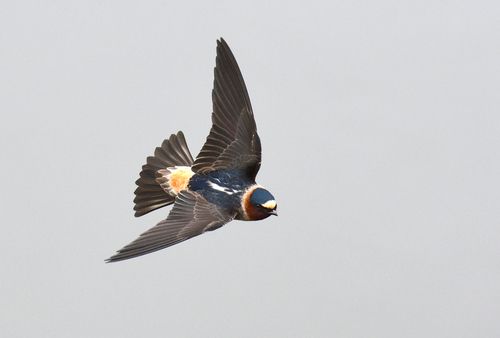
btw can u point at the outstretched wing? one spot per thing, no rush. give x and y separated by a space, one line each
233 142
191 216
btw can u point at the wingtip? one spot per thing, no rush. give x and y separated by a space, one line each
116 258
221 43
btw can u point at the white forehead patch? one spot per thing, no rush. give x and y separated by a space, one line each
270 204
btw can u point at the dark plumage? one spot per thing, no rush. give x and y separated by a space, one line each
219 185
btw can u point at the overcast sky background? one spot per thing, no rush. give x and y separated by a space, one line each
380 126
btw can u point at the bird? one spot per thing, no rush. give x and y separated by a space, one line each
216 188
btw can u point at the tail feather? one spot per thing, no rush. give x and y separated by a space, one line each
149 194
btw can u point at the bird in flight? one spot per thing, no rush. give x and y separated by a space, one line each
219 185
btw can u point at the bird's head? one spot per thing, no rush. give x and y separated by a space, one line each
261 204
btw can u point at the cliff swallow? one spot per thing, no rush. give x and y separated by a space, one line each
219 185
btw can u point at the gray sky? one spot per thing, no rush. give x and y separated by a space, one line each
380 125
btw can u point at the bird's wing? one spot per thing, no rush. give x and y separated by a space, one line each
191 216
233 142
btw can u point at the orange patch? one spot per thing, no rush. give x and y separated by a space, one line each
179 179
250 211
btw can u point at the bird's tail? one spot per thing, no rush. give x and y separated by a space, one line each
155 185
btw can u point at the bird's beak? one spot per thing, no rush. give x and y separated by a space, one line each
274 212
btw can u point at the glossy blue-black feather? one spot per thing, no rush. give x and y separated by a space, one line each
221 187
260 196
